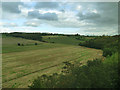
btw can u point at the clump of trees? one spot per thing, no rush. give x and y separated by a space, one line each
109 44
31 36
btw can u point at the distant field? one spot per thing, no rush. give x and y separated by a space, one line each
61 39
22 64
10 45
71 40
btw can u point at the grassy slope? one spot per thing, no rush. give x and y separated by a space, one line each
61 39
10 45
25 63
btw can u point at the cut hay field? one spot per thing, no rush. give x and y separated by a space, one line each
22 64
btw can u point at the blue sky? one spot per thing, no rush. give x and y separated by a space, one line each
85 18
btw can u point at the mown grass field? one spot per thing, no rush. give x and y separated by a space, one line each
22 64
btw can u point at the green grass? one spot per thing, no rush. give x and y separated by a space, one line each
110 60
22 64
61 40
9 44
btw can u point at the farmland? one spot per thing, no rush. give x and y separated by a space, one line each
22 64
69 40
61 39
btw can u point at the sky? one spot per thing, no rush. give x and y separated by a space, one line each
85 18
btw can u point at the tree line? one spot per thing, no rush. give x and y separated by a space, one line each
109 44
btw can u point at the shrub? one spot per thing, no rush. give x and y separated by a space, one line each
95 74
36 44
95 62
107 51
52 42
22 44
37 83
18 44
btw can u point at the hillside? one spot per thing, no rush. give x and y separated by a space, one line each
69 40
9 44
25 63
98 73
61 39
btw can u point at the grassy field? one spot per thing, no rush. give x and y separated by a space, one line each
10 45
61 39
70 40
22 64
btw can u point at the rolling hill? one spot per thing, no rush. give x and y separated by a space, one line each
25 63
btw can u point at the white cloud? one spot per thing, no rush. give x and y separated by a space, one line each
13 24
6 24
33 24
78 7
94 11
5 29
1 24
87 16
68 15
42 11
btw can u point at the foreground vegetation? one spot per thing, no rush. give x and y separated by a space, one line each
96 74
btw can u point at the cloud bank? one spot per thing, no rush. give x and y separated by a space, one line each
78 17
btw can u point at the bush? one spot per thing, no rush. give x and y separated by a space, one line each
36 44
18 44
22 44
52 42
37 83
107 51
95 62
95 74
